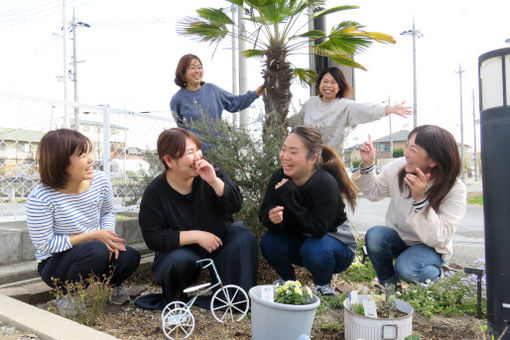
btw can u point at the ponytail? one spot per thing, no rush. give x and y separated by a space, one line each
332 163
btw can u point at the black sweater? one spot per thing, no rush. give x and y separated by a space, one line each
314 208
164 212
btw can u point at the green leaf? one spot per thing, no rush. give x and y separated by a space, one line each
314 34
216 16
343 60
334 10
236 2
305 76
254 53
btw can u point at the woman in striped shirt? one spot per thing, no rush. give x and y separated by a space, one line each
71 217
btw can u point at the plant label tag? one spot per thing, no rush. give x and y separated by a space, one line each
267 293
353 297
370 308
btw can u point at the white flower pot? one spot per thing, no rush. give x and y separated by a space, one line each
279 321
361 327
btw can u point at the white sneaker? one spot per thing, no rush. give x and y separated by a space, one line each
69 305
120 295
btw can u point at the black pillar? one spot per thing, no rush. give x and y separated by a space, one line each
321 63
495 140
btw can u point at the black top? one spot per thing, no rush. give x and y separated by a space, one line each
314 208
164 212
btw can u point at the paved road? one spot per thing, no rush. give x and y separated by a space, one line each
468 240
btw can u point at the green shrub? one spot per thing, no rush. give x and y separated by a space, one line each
248 161
398 152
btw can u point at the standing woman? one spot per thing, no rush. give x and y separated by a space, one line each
427 202
186 215
197 98
334 114
71 218
304 211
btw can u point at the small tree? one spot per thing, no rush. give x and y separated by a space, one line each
278 32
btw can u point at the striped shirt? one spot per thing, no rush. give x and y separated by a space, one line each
53 216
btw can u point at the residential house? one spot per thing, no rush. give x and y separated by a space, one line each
18 148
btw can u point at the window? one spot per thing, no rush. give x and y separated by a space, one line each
23 147
384 147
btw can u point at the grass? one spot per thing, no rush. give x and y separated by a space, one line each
477 200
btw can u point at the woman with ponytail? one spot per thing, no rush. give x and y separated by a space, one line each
304 211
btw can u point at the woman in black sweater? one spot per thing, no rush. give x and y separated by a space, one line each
186 214
305 213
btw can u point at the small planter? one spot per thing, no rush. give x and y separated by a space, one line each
362 327
278 321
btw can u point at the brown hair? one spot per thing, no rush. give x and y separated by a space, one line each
345 89
54 152
172 142
441 147
182 66
329 160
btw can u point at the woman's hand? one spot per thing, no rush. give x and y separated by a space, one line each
208 241
205 170
367 153
399 109
114 243
276 215
260 90
417 184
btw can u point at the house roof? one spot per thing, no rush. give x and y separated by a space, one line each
399 136
21 135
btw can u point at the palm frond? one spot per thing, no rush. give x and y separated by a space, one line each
214 16
236 2
201 30
254 53
305 76
334 10
344 60
379 37
313 34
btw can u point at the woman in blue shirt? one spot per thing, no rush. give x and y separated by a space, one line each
197 98
71 217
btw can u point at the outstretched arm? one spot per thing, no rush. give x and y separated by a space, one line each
399 109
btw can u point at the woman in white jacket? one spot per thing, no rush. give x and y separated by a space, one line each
427 202
334 114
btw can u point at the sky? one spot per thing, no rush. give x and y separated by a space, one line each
129 54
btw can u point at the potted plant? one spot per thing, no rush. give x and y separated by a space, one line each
282 312
374 317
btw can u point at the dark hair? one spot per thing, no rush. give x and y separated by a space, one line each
54 152
182 66
345 89
442 148
172 142
329 160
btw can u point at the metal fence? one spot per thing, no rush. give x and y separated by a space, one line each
124 144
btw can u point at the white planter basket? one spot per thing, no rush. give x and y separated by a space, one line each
361 327
279 321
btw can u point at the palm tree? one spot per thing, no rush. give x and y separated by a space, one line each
278 32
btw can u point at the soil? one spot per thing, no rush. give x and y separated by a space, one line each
131 322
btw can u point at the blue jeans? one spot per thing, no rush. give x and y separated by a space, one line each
321 256
417 263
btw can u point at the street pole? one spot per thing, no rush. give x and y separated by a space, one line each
235 120
460 71
242 65
474 138
64 78
414 33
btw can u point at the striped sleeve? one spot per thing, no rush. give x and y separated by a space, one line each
40 221
107 208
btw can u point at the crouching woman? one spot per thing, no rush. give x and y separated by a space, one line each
71 217
186 215
427 202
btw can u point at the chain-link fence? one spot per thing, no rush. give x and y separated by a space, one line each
124 145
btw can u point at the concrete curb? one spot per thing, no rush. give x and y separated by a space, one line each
45 324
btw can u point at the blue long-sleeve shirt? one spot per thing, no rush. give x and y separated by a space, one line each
208 100
53 216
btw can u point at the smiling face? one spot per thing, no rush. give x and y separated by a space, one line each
80 167
185 165
328 88
194 74
295 161
417 157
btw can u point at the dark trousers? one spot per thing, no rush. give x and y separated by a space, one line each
236 262
89 258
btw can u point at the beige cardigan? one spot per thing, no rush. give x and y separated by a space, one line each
428 227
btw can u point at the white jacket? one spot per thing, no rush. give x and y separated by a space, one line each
335 119
426 226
